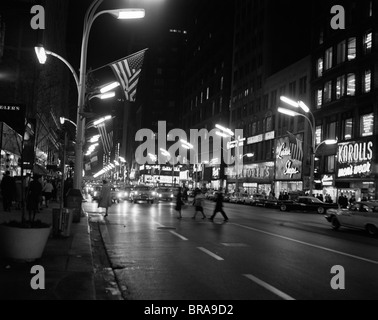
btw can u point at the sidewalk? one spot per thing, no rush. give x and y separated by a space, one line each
68 265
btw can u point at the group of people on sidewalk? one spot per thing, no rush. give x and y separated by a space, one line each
198 205
15 189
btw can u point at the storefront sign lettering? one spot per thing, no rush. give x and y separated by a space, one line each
355 170
283 151
355 159
290 170
357 152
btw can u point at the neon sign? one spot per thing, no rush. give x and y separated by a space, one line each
355 159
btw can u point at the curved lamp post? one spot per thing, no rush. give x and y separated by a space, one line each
89 19
312 123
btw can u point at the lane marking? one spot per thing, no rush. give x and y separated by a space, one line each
269 287
211 254
235 245
308 244
178 235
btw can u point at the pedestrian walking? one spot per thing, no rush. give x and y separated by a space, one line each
8 190
105 200
179 203
219 207
34 196
47 192
198 203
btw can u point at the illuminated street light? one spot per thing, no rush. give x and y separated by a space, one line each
312 123
109 87
90 17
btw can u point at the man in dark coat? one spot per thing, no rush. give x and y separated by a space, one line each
34 196
8 190
219 207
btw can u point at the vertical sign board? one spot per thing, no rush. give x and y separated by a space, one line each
288 164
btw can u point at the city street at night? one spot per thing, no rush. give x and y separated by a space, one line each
260 253
167 153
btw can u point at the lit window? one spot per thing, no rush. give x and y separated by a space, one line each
328 58
207 93
367 125
221 83
367 81
340 87
328 92
320 67
318 135
368 42
341 52
351 49
331 132
351 85
319 99
330 164
348 129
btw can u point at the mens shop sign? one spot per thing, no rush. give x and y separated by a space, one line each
355 159
258 171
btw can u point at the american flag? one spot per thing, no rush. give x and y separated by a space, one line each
128 72
106 138
296 147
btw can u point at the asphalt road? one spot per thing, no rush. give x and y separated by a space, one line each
260 254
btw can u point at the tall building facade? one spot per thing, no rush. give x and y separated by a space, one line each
207 81
344 99
267 38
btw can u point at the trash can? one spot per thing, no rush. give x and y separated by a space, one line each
62 221
74 201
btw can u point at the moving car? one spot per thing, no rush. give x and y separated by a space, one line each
164 194
95 193
307 204
360 215
116 194
143 193
127 193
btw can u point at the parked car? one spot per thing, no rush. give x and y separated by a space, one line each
256 199
307 204
234 197
360 215
164 194
226 197
143 193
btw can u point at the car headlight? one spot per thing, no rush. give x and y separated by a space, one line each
119 195
154 193
172 195
160 195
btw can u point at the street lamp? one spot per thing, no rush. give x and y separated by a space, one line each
228 133
90 17
312 123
